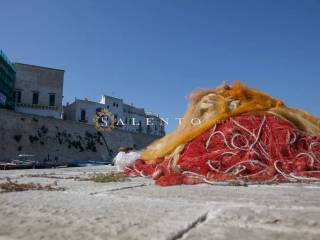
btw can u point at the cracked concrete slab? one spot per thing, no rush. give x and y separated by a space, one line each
137 209
258 223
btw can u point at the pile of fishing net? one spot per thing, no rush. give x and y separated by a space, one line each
244 135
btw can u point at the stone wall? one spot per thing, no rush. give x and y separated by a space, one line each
65 140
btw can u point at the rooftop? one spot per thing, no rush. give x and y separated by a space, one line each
35 66
116 98
133 109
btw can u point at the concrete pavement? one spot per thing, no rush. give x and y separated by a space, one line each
137 209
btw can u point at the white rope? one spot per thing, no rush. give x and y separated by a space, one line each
259 132
289 140
225 153
282 173
191 173
211 135
213 168
240 126
263 151
140 172
239 170
308 155
312 144
311 150
224 138
246 161
244 147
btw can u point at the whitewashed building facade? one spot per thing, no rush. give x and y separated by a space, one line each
128 117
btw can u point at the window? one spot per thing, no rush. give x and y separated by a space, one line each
83 115
17 96
52 99
35 98
98 110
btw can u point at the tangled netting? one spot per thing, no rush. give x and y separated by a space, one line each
261 149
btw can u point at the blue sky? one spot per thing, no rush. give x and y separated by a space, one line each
153 53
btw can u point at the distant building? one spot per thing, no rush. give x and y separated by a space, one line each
157 124
39 90
7 79
129 118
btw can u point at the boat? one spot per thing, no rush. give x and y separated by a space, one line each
23 161
86 163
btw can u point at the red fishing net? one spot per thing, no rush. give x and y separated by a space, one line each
248 148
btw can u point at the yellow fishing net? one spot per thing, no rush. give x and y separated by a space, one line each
209 107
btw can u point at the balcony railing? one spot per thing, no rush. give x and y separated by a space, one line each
36 106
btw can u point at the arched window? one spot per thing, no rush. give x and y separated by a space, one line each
83 115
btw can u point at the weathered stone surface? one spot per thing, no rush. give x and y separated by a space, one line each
138 209
62 140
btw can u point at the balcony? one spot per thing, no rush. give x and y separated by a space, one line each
36 106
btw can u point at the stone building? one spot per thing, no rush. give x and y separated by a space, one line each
39 90
7 79
157 125
129 118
